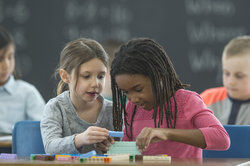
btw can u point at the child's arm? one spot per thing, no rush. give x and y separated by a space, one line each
57 135
151 135
52 131
207 131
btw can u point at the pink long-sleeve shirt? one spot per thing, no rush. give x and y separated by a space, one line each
192 114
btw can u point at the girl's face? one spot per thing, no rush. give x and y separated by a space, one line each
137 88
7 63
236 76
90 81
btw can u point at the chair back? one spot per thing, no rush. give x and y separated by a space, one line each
27 139
240 143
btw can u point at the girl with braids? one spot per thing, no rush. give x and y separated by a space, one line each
160 115
78 119
19 100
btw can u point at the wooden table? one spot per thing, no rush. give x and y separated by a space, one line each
6 144
5 141
174 162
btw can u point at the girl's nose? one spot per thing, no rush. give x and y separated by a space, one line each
231 80
95 82
132 98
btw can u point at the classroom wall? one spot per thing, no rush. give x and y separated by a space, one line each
193 32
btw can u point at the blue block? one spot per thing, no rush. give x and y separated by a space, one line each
89 154
116 134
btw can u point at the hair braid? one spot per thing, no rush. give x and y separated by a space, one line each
145 57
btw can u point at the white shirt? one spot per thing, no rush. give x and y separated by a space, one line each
19 100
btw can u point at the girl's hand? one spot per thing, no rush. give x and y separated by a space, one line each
104 145
91 136
94 135
150 135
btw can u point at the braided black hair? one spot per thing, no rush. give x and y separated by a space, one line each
146 57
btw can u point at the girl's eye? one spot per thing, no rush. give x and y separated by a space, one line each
101 76
239 76
11 56
138 90
226 73
86 77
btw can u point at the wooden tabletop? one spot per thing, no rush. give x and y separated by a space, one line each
174 162
5 143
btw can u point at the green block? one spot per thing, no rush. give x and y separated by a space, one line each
131 158
123 147
32 157
124 144
82 160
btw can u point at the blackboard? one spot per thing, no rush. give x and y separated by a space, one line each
193 32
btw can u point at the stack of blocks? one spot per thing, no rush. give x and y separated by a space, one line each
8 156
123 147
119 151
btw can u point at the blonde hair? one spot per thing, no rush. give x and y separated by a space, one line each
74 54
238 45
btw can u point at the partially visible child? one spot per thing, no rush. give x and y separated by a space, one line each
19 100
231 103
160 115
110 46
78 119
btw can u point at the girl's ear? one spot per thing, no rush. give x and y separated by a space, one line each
64 76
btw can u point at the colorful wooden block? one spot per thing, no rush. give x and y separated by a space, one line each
123 147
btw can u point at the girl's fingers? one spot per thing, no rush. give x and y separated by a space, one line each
98 134
145 144
144 138
102 146
101 138
147 137
100 129
140 143
93 141
106 142
148 141
111 140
